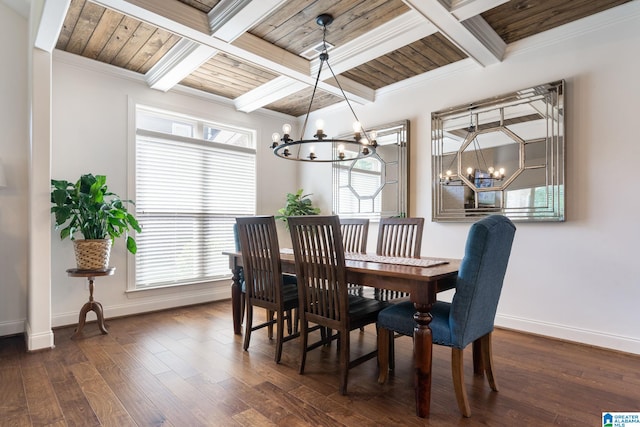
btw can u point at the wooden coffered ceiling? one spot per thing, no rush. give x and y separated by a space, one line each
256 52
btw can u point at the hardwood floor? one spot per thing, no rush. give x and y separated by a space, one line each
185 367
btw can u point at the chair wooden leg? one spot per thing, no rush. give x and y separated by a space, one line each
248 326
392 351
478 362
344 361
488 360
243 303
280 334
383 354
289 324
457 372
270 314
304 326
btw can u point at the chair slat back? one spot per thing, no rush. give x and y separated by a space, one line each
354 234
400 237
480 278
261 258
320 268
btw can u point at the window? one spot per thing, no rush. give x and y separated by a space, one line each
192 179
375 186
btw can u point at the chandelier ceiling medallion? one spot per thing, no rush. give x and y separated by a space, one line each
363 144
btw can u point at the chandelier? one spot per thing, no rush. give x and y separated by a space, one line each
363 144
479 174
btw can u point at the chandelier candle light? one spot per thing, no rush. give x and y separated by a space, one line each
362 145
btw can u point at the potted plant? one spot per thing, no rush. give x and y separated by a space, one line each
297 204
87 207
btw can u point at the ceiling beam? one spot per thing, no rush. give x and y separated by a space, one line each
265 94
50 24
172 16
388 37
183 58
400 31
172 10
465 9
478 41
231 18
228 18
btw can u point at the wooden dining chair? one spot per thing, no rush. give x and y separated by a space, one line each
355 232
398 237
469 318
264 282
322 284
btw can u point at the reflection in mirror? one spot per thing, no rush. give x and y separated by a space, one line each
375 187
501 155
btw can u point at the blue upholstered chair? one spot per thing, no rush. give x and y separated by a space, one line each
470 316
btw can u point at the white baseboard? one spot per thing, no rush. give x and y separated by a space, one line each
139 305
582 336
39 341
12 327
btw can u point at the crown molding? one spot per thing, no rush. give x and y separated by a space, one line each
183 58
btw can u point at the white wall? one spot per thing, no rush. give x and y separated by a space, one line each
14 151
91 130
575 280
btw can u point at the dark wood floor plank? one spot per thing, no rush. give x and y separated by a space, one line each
198 403
266 405
143 411
40 396
13 402
103 401
72 400
175 410
185 367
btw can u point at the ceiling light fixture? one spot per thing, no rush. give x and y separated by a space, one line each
362 145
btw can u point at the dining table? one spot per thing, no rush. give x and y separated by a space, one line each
422 278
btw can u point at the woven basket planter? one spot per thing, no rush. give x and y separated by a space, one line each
92 254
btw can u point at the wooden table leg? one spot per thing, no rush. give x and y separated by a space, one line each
94 306
422 354
236 298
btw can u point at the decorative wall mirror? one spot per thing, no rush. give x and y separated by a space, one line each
502 155
375 187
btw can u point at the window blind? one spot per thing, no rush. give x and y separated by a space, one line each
188 193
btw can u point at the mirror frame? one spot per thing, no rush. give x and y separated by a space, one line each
394 172
462 196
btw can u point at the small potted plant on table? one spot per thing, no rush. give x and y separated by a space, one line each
88 208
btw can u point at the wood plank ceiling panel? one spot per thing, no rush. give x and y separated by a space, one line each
416 58
227 76
298 103
518 19
293 26
202 5
107 36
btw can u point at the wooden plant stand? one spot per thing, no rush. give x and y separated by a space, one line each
91 305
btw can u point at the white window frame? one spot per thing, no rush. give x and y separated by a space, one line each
197 141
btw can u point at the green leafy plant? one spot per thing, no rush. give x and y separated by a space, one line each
297 204
87 207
